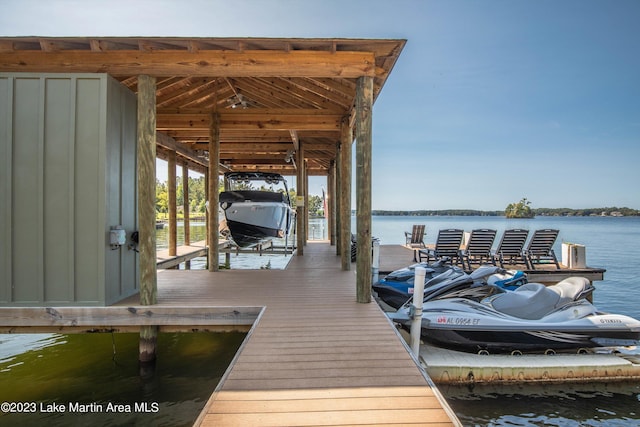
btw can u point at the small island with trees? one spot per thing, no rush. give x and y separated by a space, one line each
519 210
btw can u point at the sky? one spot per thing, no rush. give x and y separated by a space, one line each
489 102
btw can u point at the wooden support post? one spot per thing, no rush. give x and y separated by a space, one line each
172 196
305 172
345 194
214 195
364 103
147 346
185 204
301 199
185 210
338 198
206 212
331 196
146 165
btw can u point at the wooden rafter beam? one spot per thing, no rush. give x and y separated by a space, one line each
271 157
236 147
294 139
227 135
203 63
252 119
170 144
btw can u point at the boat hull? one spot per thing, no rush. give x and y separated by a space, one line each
471 326
253 222
254 209
540 340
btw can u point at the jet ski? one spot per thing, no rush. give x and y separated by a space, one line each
397 287
455 281
534 317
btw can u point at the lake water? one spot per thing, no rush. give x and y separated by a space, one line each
94 379
53 368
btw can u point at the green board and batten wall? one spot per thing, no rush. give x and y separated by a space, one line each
68 173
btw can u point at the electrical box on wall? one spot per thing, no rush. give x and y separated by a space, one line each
117 236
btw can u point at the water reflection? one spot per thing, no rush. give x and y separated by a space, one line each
88 374
548 404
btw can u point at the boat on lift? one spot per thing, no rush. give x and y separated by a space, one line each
257 207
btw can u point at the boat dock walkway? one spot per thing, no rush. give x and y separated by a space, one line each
314 356
183 253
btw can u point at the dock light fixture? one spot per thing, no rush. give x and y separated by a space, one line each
289 157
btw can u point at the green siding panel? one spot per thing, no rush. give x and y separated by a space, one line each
6 97
67 174
58 190
27 191
89 202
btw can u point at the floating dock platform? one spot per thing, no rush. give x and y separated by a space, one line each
455 367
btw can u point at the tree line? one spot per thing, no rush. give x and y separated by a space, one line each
606 211
197 199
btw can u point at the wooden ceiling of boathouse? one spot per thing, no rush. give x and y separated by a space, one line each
270 92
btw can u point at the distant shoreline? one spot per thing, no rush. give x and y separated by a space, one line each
614 212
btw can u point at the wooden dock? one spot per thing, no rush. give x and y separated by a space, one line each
183 253
314 356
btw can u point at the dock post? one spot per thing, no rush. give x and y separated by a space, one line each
375 265
146 149
213 191
346 138
416 316
364 103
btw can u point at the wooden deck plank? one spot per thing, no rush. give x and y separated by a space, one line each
337 393
244 371
315 356
329 418
323 363
351 404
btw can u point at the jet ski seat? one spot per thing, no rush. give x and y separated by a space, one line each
530 301
572 288
535 300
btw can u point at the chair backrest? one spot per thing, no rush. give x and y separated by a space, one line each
512 242
542 241
448 242
417 234
481 241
